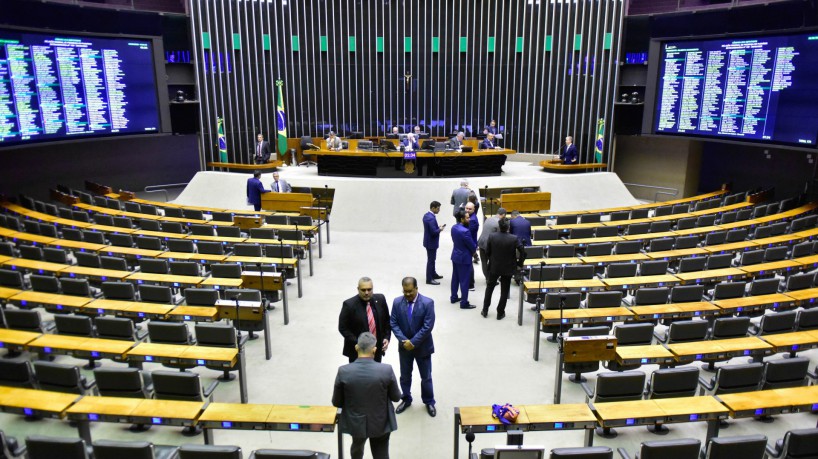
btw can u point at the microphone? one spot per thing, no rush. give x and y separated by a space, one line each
235 296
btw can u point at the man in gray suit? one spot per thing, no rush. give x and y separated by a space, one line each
364 390
460 197
456 143
491 225
280 185
333 142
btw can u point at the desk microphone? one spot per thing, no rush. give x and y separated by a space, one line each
470 439
237 322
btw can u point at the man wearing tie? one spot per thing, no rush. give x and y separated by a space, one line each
262 153
463 250
488 143
569 154
254 190
412 320
333 142
365 312
431 241
280 185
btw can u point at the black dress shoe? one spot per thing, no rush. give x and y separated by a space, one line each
431 410
402 406
468 306
484 313
438 276
433 282
501 315
454 300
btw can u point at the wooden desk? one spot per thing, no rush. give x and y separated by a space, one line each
711 275
130 309
674 310
81 347
648 354
81 246
203 258
96 274
34 266
633 413
34 403
803 297
792 342
676 254
478 419
16 340
298 246
286 262
6 292
171 280
637 282
195 313
585 316
130 252
600 260
110 229
282 418
769 402
730 247
221 282
50 301
773 267
720 349
28 237
775 301
561 261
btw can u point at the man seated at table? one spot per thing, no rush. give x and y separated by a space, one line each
410 143
488 143
333 142
456 143
395 134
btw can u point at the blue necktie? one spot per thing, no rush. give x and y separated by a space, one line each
409 312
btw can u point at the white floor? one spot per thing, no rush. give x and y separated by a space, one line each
478 361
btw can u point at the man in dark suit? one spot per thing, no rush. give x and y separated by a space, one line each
365 312
490 226
456 143
505 254
262 150
569 154
413 317
520 227
488 143
254 190
364 391
431 241
462 252
474 228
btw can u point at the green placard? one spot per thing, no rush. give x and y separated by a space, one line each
407 44
464 44
236 41
435 44
519 47
379 44
577 42
490 44
352 44
295 43
324 45
608 40
205 40
265 42
548 42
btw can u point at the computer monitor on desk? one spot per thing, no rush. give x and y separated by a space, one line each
388 146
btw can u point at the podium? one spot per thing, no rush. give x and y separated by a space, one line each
526 202
246 222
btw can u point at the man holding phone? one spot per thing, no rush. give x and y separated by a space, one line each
431 241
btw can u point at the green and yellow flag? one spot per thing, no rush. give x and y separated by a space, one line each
281 120
222 141
600 139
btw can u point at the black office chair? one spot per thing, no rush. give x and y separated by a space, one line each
168 385
578 272
193 214
609 299
158 294
669 383
719 261
110 449
731 379
119 291
685 331
12 279
118 328
683 448
149 243
599 249
776 322
185 268
607 231
182 245
62 378
219 335
228 231
153 266
17 372
627 247
287 454
653 295
653 268
307 145
191 451
796 444
226 270
10 448
615 387
174 212
661 244
691 264
807 319
637 334
686 223
150 225
620 215
122 382
114 263
621 270
745 447
570 300
42 447
171 333
210 247
715 238
26 320
780 373
659 227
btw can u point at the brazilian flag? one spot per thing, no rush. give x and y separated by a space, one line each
281 120
222 141
600 139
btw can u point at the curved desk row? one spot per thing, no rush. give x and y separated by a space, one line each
391 164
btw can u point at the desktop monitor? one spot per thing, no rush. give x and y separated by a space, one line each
365 145
465 149
428 145
388 146
519 452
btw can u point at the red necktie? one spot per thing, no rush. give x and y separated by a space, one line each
370 318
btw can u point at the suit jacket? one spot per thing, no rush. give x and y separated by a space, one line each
570 155
492 129
501 254
352 322
283 186
455 143
431 231
254 190
406 145
521 228
474 226
363 391
460 197
265 150
487 144
464 245
491 225
334 144
419 330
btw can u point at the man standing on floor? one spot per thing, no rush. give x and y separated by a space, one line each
262 150
460 196
413 317
254 190
520 227
491 225
431 241
462 252
364 391
474 226
505 254
365 312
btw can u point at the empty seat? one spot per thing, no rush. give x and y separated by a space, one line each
77 287
201 296
760 232
662 211
575 272
653 268
560 251
730 327
247 250
638 228
171 333
731 379
686 293
123 222
590 218
218 335
639 213
776 322
779 228
737 235
115 263
41 447
607 231
209 247
157 294
673 382
727 290
228 231
569 300
691 264
751 257
89 260
621 270
149 243
17 372
775 254
122 382
133 207
706 220
637 334
119 291
620 215
40 283
30 252
803 249
686 223
262 233
627 247
715 238
796 444
680 209
174 212
763 287
185 268
615 387
153 265
566 219
231 270
720 261
745 447
182 245
799 282
201 230
782 373
20 319
685 331
193 214
62 378
192 451
288 453
807 319
684 448
118 328
654 295
109 449
222 216
70 324
580 233
48 230
102 219
55 255
533 252
611 299
659 227
277 219
661 244
173 227
182 386
121 240
546 234
150 225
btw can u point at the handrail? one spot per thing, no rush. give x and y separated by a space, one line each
163 188
653 187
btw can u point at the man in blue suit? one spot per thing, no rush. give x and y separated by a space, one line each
431 240
488 143
462 253
569 154
254 190
520 227
412 320
474 228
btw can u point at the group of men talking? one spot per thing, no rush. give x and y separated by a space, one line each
255 188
